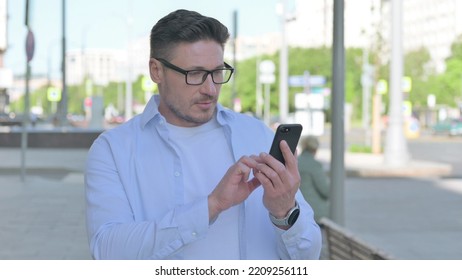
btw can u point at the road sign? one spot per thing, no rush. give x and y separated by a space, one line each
382 86
296 81
267 68
407 108
300 81
406 84
53 94
431 101
30 45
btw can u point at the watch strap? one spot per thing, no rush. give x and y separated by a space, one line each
289 219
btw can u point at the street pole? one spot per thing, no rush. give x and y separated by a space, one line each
30 49
376 127
366 82
338 108
258 86
63 102
25 122
233 91
267 117
266 77
128 82
283 72
396 153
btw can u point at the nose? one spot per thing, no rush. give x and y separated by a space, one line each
209 87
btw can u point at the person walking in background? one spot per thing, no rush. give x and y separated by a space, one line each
315 185
188 178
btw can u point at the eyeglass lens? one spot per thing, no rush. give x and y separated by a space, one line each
219 76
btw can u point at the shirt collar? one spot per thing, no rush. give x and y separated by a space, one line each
151 112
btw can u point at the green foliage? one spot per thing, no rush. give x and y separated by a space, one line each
447 86
452 78
456 48
356 148
246 77
315 61
415 66
353 87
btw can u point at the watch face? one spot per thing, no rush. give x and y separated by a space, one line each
293 217
289 220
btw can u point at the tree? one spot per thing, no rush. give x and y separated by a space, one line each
447 86
453 76
317 61
416 66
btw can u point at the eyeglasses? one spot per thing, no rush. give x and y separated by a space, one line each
198 77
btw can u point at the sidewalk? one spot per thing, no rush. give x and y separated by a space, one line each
408 217
371 165
410 212
42 217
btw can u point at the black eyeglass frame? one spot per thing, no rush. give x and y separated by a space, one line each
185 72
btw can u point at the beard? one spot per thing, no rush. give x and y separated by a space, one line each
193 117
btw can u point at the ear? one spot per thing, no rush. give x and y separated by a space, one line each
155 70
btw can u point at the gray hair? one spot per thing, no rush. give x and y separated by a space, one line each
309 143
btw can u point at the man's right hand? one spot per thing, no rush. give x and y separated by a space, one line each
233 188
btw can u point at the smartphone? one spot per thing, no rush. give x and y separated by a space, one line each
288 132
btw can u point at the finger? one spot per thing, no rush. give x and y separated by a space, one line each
238 172
250 161
265 182
253 184
291 176
275 166
243 170
256 158
270 161
289 157
246 165
270 174
286 178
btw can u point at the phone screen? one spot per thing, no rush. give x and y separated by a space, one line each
288 132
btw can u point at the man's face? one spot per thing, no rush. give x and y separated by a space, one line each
189 105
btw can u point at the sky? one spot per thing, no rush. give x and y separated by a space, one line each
104 24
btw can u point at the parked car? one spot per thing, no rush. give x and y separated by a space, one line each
451 127
9 119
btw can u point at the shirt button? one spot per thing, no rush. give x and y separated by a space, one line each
193 233
177 174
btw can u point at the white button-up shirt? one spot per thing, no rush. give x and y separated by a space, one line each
135 196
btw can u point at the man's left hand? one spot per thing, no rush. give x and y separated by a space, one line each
280 182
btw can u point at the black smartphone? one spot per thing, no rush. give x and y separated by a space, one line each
288 132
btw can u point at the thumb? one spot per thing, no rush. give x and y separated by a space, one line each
240 172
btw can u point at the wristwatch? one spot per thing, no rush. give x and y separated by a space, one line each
288 220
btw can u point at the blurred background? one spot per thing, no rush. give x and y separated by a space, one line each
72 69
107 49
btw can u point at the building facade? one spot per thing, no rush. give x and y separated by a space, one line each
432 24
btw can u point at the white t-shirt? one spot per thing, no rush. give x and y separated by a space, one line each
199 155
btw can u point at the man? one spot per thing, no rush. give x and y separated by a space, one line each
315 185
189 179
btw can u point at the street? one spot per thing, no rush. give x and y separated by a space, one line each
440 149
411 218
